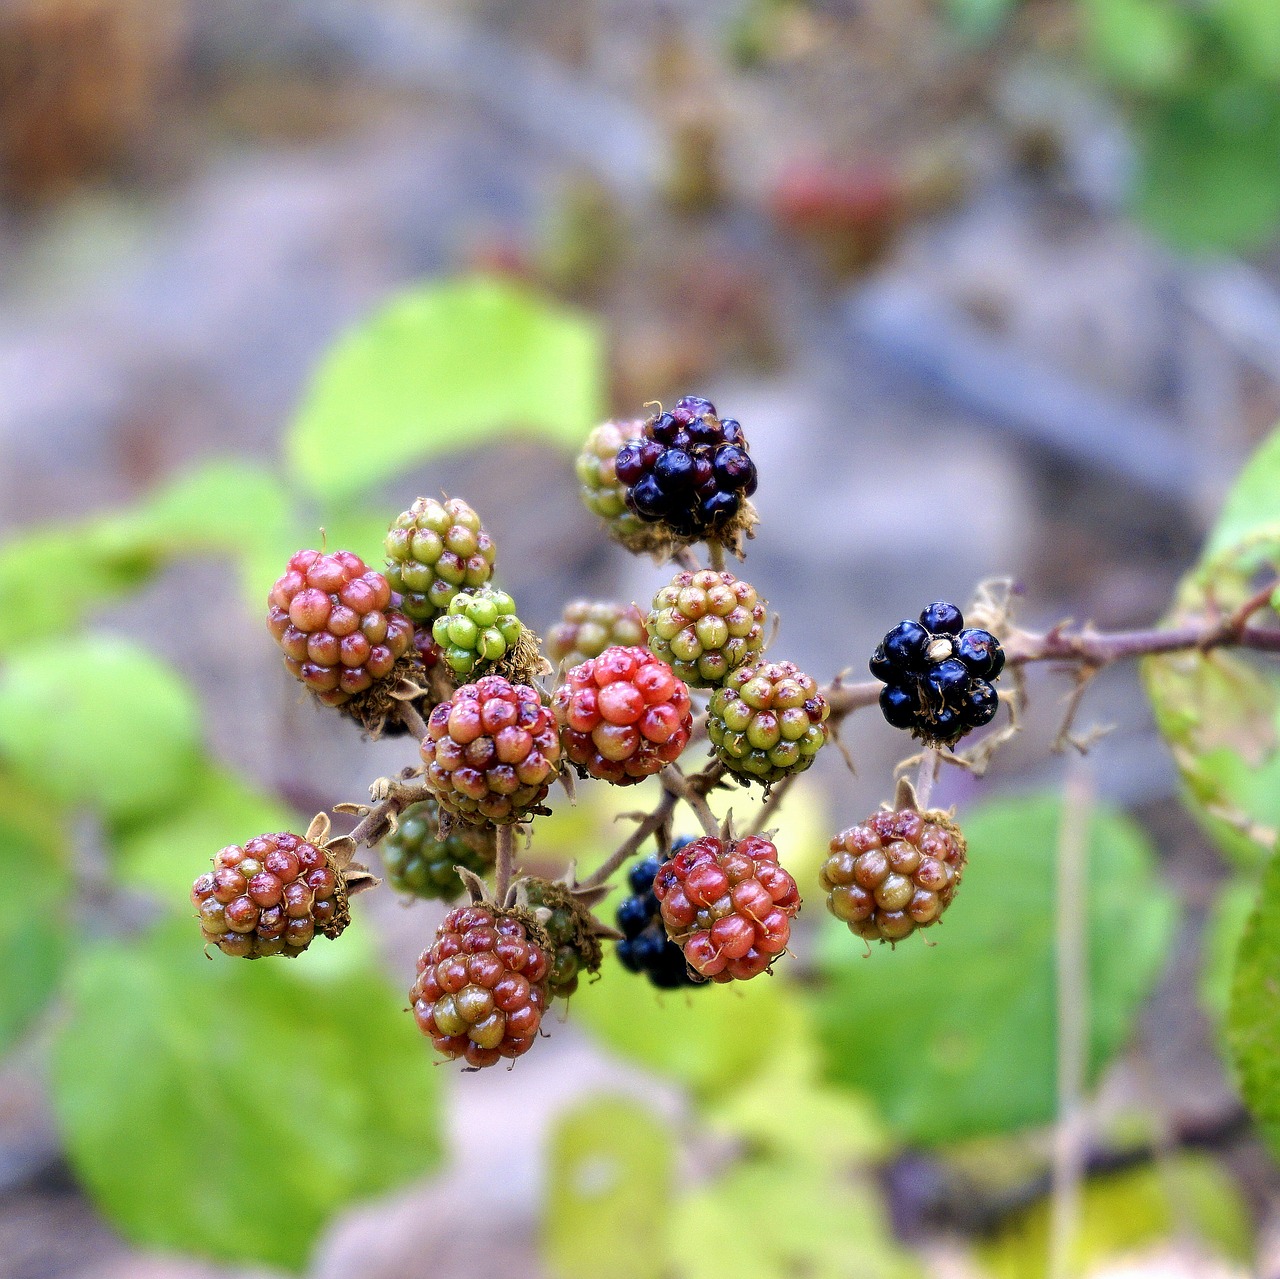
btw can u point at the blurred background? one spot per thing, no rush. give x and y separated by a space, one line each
993 287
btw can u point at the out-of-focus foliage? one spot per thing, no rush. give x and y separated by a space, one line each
95 720
446 367
34 914
959 1039
1218 711
232 1108
1124 1213
1253 1021
611 1184
1223 931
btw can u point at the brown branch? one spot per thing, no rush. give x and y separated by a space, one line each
674 780
411 719
506 862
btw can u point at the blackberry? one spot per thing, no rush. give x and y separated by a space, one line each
623 715
728 905
434 550
894 873
478 630
422 864
588 627
491 751
602 492
481 986
937 675
705 625
271 896
767 721
688 470
645 947
333 620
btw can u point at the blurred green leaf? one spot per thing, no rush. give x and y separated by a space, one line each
771 1220
166 850
701 1037
33 921
1219 713
1137 44
1252 27
1221 942
958 1039
1185 1194
1253 1020
610 1174
786 1111
231 1108
97 720
446 367
1209 180
979 19
224 507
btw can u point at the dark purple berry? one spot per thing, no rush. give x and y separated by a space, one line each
880 666
942 619
900 707
949 678
629 464
632 916
981 703
731 430
640 876
647 499
674 470
696 406
735 470
718 509
980 651
664 428
906 646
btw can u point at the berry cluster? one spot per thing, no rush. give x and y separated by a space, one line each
491 751
937 675
332 617
894 873
689 470
767 721
481 986
705 625
728 905
422 864
270 897
571 931
477 630
588 627
434 550
601 490
623 715
645 947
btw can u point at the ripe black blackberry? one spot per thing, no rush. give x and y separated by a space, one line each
689 470
645 947
938 675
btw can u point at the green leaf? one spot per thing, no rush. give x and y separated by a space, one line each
1208 179
166 850
98 720
976 1054
232 1108
700 1037
224 507
33 922
1221 942
771 1220
611 1171
1187 1194
1220 712
1253 1020
1253 29
1138 44
446 367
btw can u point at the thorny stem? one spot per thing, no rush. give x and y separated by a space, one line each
715 557
687 559
926 777
372 826
771 804
506 862
411 719
673 779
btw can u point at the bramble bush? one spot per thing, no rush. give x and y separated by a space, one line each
168 1066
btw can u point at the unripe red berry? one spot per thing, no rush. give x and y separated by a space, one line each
623 716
